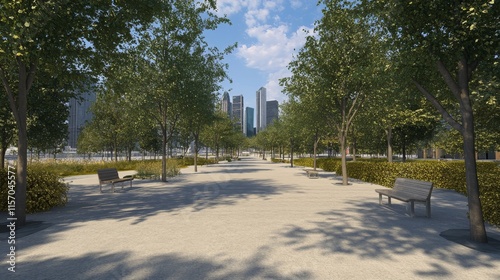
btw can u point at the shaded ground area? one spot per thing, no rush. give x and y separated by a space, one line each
248 219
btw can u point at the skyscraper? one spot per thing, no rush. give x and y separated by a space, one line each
238 112
272 111
249 113
226 104
79 114
261 110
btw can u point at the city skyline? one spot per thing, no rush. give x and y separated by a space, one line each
269 34
265 113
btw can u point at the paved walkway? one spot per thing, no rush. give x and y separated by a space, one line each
245 220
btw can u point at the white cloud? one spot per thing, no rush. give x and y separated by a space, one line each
254 17
274 47
274 90
296 3
274 44
272 52
229 7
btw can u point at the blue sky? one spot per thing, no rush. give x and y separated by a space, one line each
268 33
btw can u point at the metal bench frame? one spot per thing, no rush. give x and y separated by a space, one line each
110 176
410 191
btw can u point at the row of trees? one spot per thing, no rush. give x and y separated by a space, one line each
47 117
163 89
376 66
57 47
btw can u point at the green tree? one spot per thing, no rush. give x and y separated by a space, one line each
291 126
164 55
206 72
47 127
113 121
7 129
337 67
217 134
58 36
455 43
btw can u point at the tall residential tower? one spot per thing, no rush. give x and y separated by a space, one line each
238 112
226 104
261 110
272 111
248 124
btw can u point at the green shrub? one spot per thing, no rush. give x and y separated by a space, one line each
152 168
328 164
278 160
44 190
81 167
148 169
187 161
307 162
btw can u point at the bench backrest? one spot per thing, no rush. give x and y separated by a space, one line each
417 188
107 174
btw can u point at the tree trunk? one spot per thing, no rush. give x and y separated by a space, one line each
3 151
342 139
19 107
291 153
22 165
477 229
217 154
315 149
461 92
404 148
389 143
476 221
196 152
164 155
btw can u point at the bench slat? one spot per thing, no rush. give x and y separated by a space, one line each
410 191
110 176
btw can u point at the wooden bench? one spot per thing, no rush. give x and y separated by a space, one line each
110 176
312 173
410 191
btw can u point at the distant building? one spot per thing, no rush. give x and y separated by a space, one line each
261 110
238 112
226 104
79 115
249 129
272 111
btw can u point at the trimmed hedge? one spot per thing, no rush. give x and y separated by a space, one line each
444 174
327 164
278 160
200 161
79 167
45 190
447 175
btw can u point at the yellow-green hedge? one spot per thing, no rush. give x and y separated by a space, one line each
44 190
448 175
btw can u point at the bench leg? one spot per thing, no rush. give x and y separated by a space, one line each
411 205
428 208
113 187
389 200
100 186
380 199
